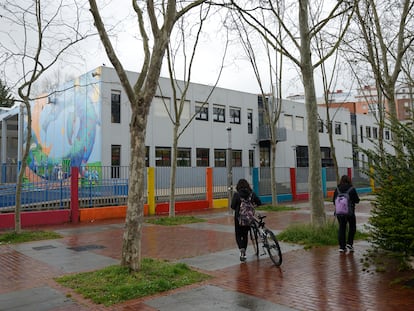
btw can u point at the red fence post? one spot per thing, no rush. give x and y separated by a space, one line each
74 195
293 183
209 186
349 173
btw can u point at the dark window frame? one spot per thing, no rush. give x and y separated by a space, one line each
202 112
115 160
184 157
219 113
338 128
220 158
203 157
250 122
115 106
163 156
234 115
237 158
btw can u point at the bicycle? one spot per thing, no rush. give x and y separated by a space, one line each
268 239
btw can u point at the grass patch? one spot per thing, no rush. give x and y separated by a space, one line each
27 236
311 236
277 208
115 284
174 221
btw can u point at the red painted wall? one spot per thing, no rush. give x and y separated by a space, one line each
36 218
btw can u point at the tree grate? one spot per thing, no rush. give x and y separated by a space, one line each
86 247
43 247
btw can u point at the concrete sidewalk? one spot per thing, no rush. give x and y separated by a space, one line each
316 279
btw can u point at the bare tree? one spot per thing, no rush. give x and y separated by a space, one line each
180 88
39 34
161 17
408 79
330 74
386 30
297 47
271 100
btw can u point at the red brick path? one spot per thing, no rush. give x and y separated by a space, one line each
316 279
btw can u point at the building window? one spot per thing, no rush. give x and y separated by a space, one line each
326 157
329 127
184 157
251 158
299 124
288 121
368 131
201 111
115 106
361 131
219 157
219 114
162 156
375 132
264 156
250 121
203 157
236 157
338 128
320 126
302 158
387 134
115 160
235 115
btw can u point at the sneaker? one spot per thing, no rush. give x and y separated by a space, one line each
242 254
350 247
342 250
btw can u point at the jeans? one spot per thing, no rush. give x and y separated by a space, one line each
241 234
342 238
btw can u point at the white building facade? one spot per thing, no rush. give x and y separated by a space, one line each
86 122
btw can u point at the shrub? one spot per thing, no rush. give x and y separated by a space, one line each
392 217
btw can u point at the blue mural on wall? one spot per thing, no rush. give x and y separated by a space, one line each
66 128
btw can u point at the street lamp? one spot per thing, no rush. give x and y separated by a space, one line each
229 171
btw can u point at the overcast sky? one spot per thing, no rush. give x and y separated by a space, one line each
237 73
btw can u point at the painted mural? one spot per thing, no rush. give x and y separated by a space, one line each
66 130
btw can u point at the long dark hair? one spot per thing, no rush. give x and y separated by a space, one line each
345 180
243 184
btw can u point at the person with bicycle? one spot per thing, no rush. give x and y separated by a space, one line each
243 192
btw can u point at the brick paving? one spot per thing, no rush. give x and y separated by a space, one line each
316 279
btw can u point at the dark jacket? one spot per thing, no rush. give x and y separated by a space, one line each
244 193
353 195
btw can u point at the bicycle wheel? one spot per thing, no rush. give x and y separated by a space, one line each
273 247
253 238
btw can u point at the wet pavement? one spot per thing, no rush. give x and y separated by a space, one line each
316 279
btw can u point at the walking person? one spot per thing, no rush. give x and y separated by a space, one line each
346 242
243 192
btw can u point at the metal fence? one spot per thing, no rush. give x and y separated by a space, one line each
108 186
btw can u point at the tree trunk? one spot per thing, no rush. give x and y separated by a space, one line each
390 91
131 248
173 169
273 168
23 165
318 216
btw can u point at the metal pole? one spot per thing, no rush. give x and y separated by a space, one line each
20 138
229 165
